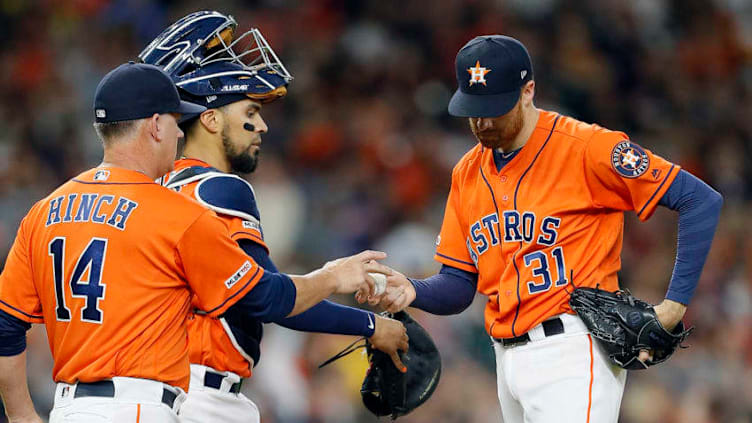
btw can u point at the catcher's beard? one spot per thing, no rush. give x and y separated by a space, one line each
240 161
504 131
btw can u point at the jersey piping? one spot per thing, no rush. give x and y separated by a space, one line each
668 174
516 190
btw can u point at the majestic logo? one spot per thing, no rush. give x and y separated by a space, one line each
245 268
629 159
102 175
478 73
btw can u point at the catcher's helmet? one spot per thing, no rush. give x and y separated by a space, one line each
204 59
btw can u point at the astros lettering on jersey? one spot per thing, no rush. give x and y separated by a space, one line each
109 262
553 216
211 341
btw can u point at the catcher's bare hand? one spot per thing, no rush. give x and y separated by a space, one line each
351 273
390 337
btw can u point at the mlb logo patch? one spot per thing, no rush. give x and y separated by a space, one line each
102 175
232 280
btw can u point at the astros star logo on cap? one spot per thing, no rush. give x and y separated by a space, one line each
477 73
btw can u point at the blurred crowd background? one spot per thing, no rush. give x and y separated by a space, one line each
359 155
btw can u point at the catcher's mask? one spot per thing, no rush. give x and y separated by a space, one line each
204 58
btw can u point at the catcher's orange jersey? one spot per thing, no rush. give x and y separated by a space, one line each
553 215
109 262
209 341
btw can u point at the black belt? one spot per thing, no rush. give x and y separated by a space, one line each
214 380
106 389
550 328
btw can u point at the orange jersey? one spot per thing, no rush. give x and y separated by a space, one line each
211 342
553 216
110 262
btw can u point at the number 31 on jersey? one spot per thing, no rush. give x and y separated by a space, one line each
520 227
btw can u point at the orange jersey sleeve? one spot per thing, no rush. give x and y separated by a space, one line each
18 295
205 252
451 245
244 229
622 175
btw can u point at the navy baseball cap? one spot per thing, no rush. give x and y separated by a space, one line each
136 91
491 70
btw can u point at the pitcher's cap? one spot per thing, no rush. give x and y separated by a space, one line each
491 70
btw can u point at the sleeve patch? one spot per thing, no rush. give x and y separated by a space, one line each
247 224
232 280
229 195
629 159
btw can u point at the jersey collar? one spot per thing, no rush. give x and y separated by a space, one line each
111 174
186 162
528 151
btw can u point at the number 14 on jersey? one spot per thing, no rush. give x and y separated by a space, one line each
92 259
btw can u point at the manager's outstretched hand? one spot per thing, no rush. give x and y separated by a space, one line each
351 273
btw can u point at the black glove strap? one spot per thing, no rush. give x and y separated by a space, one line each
348 350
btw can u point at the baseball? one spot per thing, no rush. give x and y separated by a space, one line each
380 280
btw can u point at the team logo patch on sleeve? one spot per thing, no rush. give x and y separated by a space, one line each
245 268
629 159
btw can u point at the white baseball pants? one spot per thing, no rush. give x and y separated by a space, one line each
209 405
559 378
134 401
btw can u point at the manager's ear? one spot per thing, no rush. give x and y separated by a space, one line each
151 125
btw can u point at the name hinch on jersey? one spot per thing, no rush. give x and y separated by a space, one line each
515 227
90 208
